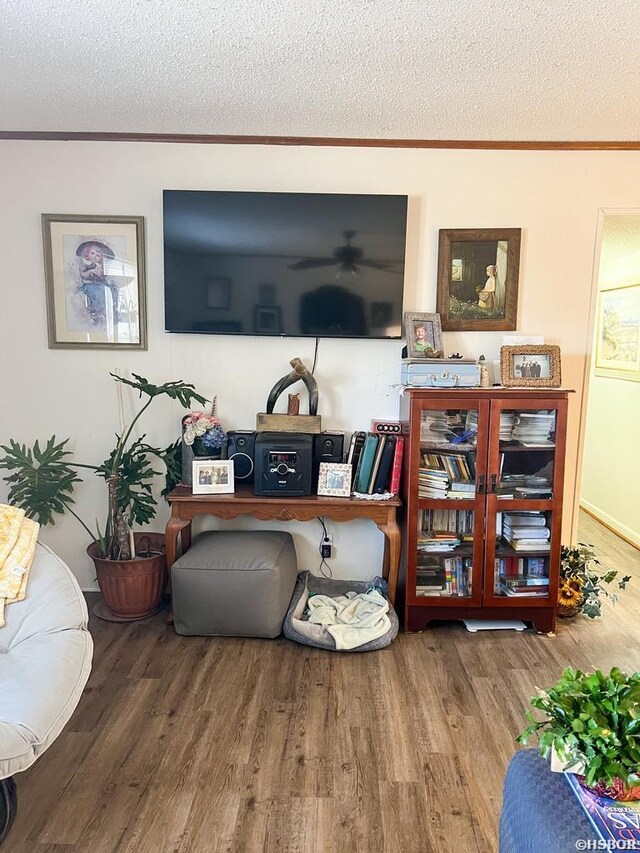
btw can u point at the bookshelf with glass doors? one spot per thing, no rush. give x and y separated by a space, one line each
482 486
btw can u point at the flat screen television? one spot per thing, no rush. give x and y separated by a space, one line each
303 264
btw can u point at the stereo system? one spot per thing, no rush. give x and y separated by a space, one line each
284 464
281 462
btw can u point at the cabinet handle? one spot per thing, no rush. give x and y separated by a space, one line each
482 484
494 484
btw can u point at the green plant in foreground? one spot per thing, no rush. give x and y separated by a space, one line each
580 564
592 719
43 478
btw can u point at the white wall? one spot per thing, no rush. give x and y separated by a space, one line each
611 463
553 196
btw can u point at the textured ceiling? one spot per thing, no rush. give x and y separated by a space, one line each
480 69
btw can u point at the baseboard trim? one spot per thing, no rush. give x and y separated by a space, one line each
611 524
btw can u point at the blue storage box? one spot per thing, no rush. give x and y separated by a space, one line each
440 373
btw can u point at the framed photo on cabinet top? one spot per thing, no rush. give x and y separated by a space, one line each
478 272
95 281
530 366
423 334
618 333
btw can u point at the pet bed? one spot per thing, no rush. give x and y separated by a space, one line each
298 629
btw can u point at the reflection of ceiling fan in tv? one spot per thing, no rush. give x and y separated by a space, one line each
347 257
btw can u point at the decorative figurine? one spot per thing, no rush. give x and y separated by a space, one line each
484 373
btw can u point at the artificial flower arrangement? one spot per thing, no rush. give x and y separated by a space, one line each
582 586
203 433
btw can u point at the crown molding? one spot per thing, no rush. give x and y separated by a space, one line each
324 141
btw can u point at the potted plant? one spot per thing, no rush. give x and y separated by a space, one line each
582 585
130 567
592 727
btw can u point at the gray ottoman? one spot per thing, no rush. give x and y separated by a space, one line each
235 584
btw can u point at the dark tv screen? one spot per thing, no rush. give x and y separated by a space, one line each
305 264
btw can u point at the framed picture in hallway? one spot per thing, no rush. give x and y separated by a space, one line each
618 333
478 272
95 281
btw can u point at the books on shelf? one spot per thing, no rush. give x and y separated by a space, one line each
530 429
377 461
613 820
443 525
396 468
522 576
450 577
447 475
526 530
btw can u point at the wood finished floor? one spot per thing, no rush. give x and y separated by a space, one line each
204 745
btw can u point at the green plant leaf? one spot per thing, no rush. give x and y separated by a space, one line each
184 392
43 482
592 718
172 458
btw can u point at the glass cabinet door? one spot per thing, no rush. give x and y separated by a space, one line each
524 502
450 479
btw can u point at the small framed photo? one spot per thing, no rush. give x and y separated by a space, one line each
334 479
530 366
424 335
95 281
212 477
478 270
267 319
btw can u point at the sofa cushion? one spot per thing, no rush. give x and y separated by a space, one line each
45 660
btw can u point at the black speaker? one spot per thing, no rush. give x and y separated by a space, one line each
241 448
328 447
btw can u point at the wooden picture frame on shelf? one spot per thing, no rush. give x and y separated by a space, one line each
478 271
530 366
423 334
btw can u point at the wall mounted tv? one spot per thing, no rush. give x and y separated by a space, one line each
304 264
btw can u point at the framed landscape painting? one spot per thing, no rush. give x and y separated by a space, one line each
478 273
618 333
95 281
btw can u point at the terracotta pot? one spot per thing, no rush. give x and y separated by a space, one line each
132 589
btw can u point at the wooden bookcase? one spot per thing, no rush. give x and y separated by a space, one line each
495 552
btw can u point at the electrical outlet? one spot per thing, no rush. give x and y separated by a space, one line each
328 539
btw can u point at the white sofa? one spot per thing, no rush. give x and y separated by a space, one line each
45 661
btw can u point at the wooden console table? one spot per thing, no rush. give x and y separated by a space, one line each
185 506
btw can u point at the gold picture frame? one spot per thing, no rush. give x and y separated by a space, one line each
478 273
95 281
617 348
530 366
